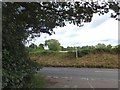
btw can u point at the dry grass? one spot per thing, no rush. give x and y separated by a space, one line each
102 60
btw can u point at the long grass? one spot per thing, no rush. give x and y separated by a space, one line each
38 81
65 59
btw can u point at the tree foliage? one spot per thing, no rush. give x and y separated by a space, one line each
33 46
53 44
99 48
34 18
41 46
29 19
99 45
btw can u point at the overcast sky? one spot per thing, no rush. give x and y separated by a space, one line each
102 29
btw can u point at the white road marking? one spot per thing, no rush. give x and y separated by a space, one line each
84 78
59 77
56 77
65 77
107 71
92 79
90 84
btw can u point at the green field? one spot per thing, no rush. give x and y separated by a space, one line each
67 59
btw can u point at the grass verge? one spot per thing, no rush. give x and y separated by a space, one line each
100 60
38 81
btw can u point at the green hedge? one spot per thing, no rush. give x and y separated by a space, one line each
81 52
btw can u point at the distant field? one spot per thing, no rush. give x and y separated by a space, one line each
65 59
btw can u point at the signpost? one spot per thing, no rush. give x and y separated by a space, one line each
76 53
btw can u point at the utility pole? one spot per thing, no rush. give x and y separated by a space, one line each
76 53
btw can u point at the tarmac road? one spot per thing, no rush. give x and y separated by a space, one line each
80 77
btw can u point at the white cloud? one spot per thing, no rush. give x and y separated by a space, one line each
102 29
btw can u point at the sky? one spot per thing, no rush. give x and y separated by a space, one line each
102 29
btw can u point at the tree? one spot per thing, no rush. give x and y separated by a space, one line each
41 46
99 45
29 19
33 46
53 44
109 46
70 48
44 16
63 48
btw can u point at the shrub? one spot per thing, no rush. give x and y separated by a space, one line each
71 54
83 52
102 50
17 69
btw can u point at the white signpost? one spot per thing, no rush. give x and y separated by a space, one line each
76 52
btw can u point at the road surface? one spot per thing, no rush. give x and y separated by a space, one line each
80 77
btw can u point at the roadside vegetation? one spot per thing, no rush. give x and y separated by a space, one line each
99 56
61 59
38 81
